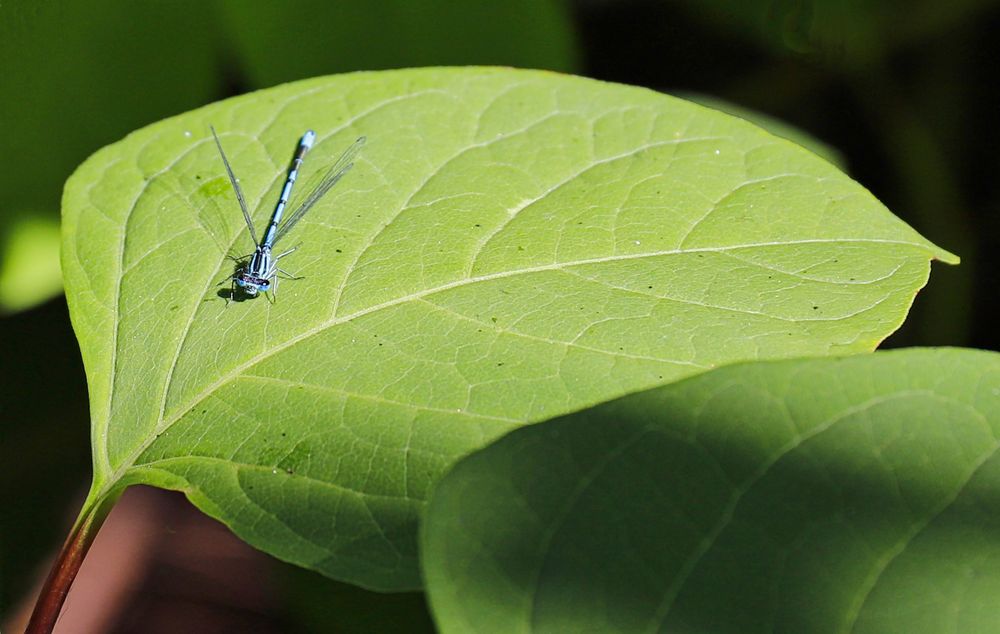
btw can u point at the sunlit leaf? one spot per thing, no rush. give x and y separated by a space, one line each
510 246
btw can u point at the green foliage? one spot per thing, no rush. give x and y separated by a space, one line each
825 495
510 247
842 33
76 76
275 42
29 262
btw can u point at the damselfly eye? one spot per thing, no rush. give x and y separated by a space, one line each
240 283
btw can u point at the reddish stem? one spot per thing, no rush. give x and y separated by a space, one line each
64 569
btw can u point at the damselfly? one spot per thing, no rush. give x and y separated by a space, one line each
256 274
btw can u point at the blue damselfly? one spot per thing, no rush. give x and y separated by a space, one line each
256 274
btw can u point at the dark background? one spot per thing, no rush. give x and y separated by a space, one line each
904 91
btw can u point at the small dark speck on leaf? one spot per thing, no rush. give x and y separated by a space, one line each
493 319
499 364
852 279
174 307
283 434
339 251
477 225
289 471
197 177
649 286
815 307
520 248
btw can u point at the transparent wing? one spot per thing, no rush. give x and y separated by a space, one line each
236 187
330 178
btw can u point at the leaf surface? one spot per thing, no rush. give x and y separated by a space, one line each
509 247
824 495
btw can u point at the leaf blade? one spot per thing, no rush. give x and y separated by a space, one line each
511 246
800 495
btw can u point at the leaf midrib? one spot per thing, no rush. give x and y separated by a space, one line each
166 423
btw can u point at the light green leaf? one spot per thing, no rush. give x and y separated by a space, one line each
29 262
509 247
825 495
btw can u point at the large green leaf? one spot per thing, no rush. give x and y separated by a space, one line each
826 495
511 246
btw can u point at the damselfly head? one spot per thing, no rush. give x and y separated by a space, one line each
252 285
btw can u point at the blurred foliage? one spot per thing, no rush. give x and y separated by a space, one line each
79 75
275 42
29 262
843 33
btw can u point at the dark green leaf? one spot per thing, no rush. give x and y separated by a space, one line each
833 495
